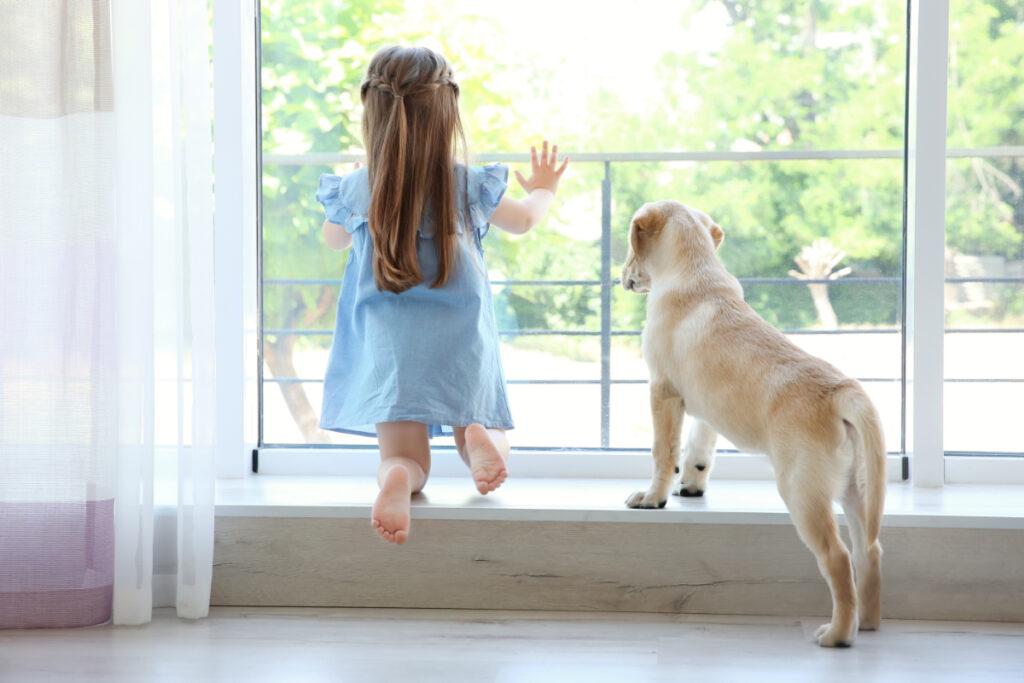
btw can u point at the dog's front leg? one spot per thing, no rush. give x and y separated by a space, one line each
667 414
700 454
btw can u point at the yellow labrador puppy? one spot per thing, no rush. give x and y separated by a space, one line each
711 355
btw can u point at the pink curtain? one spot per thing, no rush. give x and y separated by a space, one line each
58 342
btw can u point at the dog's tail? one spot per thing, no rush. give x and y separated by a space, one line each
859 413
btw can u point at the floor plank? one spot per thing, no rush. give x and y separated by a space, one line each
317 644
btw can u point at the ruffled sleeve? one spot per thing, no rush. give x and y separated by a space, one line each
343 199
487 185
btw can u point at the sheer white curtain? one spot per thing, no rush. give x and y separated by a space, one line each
167 411
107 374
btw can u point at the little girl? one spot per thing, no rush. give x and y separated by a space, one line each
415 348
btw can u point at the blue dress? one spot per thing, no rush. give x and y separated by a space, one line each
426 355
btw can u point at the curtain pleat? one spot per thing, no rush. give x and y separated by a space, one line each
165 184
107 374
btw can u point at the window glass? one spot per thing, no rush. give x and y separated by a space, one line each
669 100
984 294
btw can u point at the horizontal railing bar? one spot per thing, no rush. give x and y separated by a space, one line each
504 283
543 283
873 380
615 281
297 332
984 330
330 158
302 281
515 449
835 332
302 380
743 280
985 152
523 333
574 381
632 333
983 380
553 333
820 281
959 280
615 333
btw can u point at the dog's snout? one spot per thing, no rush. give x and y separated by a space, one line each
628 283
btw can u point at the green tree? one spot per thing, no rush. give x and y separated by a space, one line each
314 55
795 75
985 207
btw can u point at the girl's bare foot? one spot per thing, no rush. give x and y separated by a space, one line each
391 509
485 460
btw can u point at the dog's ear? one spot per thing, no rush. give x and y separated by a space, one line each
717 235
647 223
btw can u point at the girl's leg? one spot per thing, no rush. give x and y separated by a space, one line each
485 451
403 471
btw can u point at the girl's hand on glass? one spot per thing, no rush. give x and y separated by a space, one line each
545 173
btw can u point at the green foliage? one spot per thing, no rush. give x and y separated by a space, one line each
985 197
786 75
314 55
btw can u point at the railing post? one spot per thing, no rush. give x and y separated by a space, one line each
606 303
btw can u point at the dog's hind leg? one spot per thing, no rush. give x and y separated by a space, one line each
864 500
867 559
808 499
667 415
699 456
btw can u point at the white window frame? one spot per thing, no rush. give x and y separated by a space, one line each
235 201
925 234
235 33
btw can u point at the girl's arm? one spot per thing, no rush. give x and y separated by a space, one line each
336 236
517 216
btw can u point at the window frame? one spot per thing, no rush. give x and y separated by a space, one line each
239 161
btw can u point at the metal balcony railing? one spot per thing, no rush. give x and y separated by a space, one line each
607 282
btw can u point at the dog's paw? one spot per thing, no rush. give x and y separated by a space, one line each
644 501
829 637
869 625
688 491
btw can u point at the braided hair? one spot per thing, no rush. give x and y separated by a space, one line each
412 131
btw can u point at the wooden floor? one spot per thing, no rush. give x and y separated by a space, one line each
414 646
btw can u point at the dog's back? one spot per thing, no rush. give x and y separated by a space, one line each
746 379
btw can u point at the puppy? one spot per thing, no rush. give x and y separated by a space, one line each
711 355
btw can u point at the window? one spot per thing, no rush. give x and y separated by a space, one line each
786 124
984 297
793 160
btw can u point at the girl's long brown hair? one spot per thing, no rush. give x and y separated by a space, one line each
411 129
